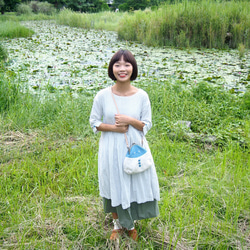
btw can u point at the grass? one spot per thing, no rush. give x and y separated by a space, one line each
12 29
49 187
207 24
49 195
100 21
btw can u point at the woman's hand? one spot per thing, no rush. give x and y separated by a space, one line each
122 120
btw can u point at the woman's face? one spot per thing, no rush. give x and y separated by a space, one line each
122 70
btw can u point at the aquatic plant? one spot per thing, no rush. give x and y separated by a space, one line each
207 24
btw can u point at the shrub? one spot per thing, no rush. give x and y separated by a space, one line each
46 8
24 9
42 7
34 6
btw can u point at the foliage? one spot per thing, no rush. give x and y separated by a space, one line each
12 29
3 53
131 5
195 24
73 19
246 100
87 5
23 9
49 174
1 4
36 7
10 5
9 94
46 8
106 20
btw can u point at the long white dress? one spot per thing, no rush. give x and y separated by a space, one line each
114 183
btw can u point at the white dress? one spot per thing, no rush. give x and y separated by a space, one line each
114 183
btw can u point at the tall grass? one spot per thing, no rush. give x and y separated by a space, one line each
101 21
12 29
12 16
49 189
208 24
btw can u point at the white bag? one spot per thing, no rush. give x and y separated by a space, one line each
137 160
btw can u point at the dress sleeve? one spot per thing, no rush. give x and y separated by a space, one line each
146 114
96 114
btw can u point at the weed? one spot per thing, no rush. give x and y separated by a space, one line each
3 53
242 50
196 24
13 29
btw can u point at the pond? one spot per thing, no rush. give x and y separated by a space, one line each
64 57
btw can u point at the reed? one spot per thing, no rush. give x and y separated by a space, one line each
11 29
207 24
100 21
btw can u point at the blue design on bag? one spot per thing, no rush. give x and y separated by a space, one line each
136 151
139 163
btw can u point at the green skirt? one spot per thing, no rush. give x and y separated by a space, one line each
134 212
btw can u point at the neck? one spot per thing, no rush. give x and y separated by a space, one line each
124 89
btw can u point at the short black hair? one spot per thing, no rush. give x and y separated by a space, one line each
128 57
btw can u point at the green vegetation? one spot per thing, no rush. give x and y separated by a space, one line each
196 24
49 195
101 21
36 7
3 53
13 29
49 188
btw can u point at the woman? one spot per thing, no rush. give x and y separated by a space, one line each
127 197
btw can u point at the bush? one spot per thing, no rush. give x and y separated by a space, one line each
24 9
34 6
3 53
45 8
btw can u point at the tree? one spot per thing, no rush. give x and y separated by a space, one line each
1 6
10 5
126 5
57 3
87 5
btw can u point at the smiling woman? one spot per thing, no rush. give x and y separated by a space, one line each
127 197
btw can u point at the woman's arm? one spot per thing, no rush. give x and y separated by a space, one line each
112 128
121 120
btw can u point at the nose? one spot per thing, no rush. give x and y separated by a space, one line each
122 67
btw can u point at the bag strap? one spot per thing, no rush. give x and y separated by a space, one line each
125 135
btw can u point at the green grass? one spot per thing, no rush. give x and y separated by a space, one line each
207 24
12 29
100 21
49 195
49 186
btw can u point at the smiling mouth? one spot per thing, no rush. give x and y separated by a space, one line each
122 75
